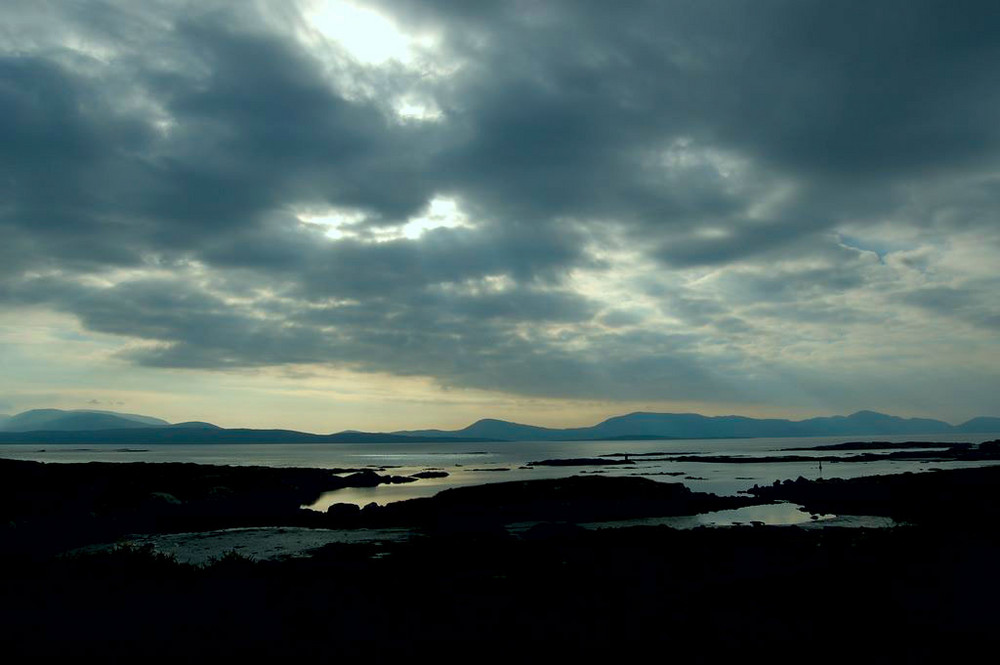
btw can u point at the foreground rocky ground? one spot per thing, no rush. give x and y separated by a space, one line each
46 509
466 591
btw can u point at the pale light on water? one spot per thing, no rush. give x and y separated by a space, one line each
772 514
476 464
479 463
281 542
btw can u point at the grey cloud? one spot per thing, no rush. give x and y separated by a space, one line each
720 136
316 268
790 285
694 310
463 341
976 303
617 318
834 316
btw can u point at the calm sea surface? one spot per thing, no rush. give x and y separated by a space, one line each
479 463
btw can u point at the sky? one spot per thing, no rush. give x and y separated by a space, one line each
394 214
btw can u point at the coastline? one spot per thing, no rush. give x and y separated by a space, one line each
555 587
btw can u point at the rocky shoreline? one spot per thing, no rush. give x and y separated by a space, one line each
49 508
553 590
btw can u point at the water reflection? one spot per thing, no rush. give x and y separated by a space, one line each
774 514
281 542
484 462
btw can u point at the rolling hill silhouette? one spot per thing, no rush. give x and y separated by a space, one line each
76 420
57 426
696 426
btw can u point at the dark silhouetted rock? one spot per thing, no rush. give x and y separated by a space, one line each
344 511
582 461
549 530
365 478
574 499
430 474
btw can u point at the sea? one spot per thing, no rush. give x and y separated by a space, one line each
480 463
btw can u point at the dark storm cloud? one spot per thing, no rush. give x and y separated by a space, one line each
842 89
275 127
349 268
463 341
60 141
188 139
248 127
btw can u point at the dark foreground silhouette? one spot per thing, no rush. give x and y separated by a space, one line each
46 509
966 498
925 592
780 594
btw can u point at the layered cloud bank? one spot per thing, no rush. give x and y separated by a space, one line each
758 203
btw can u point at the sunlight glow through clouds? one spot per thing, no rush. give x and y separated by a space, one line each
581 208
370 38
441 212
412 110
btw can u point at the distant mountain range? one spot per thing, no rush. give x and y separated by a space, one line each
83 426
695 426
61 421
55 426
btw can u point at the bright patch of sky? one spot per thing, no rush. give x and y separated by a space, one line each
410 109
441 213
369 37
